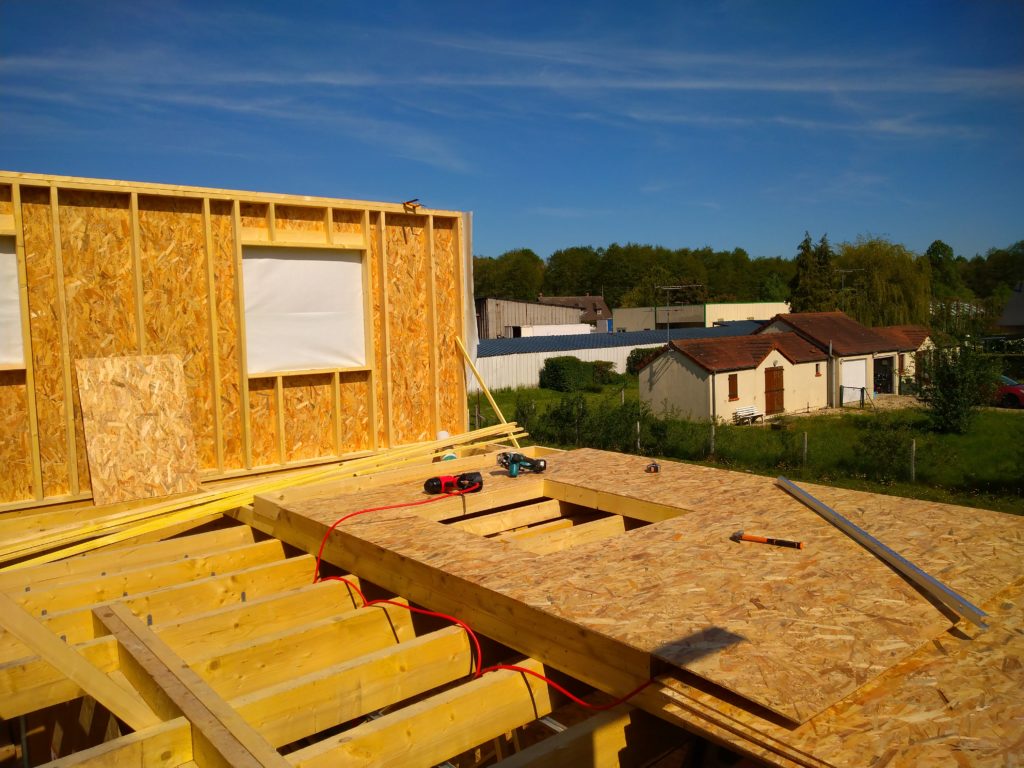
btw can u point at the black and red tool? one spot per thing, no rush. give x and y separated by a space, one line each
467 482
516 463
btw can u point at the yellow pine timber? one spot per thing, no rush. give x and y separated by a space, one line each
506 520
483 386
584 533
167 745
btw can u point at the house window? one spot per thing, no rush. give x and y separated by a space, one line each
12 351
817 369
734 386
303 309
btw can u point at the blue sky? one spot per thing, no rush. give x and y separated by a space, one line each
728 124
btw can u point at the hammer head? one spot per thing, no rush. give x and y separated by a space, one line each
737 536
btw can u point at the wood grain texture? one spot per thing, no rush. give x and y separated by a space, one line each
227 333
295 223
138 427
95 235
255 224
263 416
175 303
47 346
408 328
16 447
377 310
448 304
355 412
308 417
348 223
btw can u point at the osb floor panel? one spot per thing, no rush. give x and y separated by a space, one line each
793 630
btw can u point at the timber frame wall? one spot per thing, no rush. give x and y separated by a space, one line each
113 268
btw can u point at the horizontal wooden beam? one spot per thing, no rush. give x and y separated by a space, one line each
220 735
307 705
125 704
584 533
536 530
440 727
248 666
510 519
602 501
167 745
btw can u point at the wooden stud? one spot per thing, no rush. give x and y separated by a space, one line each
432 325
243 366
329 224
123 703
602 501
272 223
136 251
510 519
370 338
437 728
218 730
336 410
355 688
26 344
65 356
463 258
282 457
536 530
211 300
595 530
167 745
389 428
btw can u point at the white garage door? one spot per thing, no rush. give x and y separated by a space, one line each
854 379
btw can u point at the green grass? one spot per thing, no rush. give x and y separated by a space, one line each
860 450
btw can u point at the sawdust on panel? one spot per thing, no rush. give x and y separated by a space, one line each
95 236
138 427
409 328
263 421
294 223
355 412
47 347
175 304
377 310
448 303
16 447
308 416
223 246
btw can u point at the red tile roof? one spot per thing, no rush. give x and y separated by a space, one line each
908 337
845 335
738 353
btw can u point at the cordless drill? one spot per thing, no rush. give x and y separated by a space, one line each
467 482
516 463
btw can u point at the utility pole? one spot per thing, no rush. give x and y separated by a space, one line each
668 301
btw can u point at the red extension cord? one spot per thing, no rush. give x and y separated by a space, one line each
479 670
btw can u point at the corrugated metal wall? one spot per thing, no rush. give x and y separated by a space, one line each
493 315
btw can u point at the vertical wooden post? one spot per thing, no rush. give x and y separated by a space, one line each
279 407
243 366
336 407
913 460
26 344
385 332
805 450
712 442
271 222
140 326
370 338
65 351
463 250
432 325
211 301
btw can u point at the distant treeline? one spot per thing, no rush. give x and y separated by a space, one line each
874 280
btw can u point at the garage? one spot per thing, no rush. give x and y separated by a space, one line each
854 379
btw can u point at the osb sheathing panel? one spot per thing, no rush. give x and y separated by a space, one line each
263 407
6 200
294 218
308 416
448 301
138 427
409 328
253 215
15 449
792 630
222 235
355 412
348 222
44 325
95 235
377 310
175 303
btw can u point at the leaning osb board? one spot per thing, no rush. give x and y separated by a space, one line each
408 263
308 411
47 346
175 303
448 301
263 410
355 412
222 235
15 449
138 427
380 362
95 236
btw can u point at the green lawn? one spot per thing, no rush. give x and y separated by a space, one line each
861 450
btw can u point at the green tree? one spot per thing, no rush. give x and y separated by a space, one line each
959 380
812 288
945 277
573 272
885 283
517 274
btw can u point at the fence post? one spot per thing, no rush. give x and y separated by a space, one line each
840 395
638 435
712 452
805 449
913 459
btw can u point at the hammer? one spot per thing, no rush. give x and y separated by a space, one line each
741 536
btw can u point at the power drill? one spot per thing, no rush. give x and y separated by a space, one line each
516 463
467 482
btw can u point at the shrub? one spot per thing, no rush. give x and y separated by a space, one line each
566 374
604 372
564 421
638 357
959 380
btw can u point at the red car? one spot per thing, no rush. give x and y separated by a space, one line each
1010 393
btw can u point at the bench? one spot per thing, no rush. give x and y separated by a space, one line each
748 414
